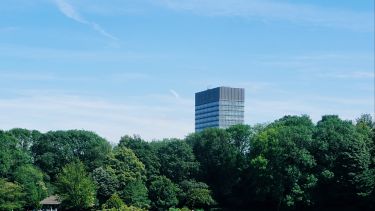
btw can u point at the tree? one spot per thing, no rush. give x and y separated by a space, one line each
106 183
31 180
343 160
366 119
113 202
144 152
241 136
125 165
54 150
177 160
365 126
25 138
195 194
75 187
135 193
11 196
163 193
281 166
130 174
218 159
11 156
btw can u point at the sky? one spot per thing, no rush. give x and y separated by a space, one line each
124 67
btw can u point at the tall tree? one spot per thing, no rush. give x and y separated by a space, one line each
195 195
54 150
130 174
25 138
106 182
343 160
144 152
11 196
365 126
31 180
177 160
136 193
282 168
11 156
75 187
163 193
218 158
241 136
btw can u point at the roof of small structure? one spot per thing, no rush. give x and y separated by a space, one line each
50 200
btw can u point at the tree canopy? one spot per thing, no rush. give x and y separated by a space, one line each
289 164
54 150
75 187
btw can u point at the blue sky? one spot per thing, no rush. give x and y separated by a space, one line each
121 67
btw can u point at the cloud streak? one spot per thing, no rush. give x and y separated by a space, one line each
70 12
351 75
174 93
267 10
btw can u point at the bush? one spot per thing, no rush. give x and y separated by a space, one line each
113 202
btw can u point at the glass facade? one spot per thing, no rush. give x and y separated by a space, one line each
219 107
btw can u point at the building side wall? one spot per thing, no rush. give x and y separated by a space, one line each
231 113
219 107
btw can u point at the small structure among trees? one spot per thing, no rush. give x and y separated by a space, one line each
50 203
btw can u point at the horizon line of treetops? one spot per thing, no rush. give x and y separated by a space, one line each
288 164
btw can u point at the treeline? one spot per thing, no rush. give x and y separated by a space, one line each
289 164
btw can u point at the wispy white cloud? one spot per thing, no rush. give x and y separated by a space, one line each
51 110
52 76
26 76
8 29
267 10
350 75
69 11
102 31
174 93
334 65
129 76
26 52
151 116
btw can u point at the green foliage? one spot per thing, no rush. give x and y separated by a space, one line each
31 179
341 149
130 176
125 208
106 183
366 119
179 209
11 156
241 136
177 160
365 126
219 160
163 193
113 202
25 138
54 150
144 152
135 193
282 166
75 187
289 164
11 196
195 194
125 165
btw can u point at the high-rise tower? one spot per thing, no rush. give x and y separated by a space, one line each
219 107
